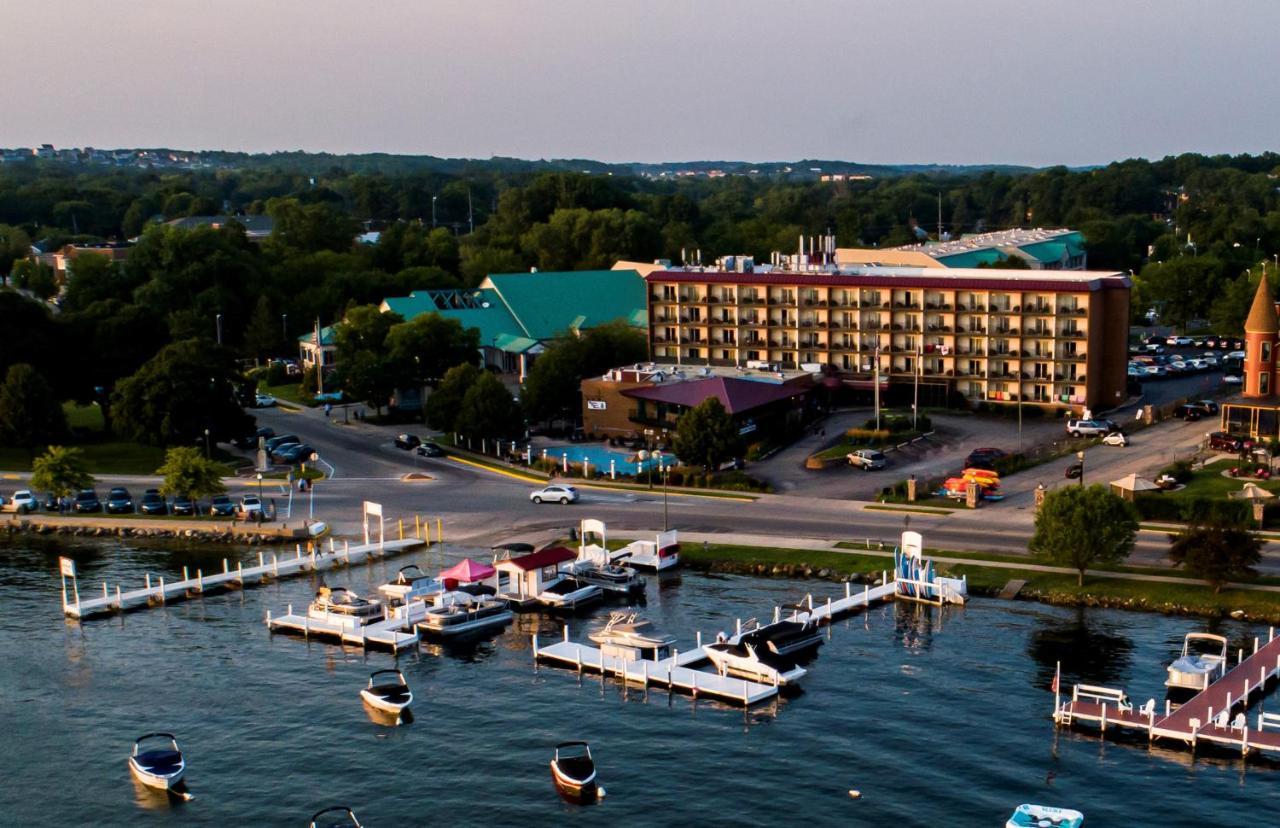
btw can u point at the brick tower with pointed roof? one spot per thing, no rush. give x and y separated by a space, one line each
1261 332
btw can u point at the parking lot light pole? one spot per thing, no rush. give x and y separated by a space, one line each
208 451
259 490
1080 457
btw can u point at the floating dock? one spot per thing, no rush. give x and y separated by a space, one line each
1217 715
157 593
679 672
387 633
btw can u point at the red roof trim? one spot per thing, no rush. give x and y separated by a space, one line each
537 560
1073 285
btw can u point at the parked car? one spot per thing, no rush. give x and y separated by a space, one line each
1222 441
867 459
1233 379
261 400
24 501
153 503
984 458
183 505
87 501
294 453
119 501
1179 340
222 506
1188 412
1074 471
250 441
1116 438
1088 428
275 443
1205 406
250 506
407 441
430 450
52 503
555 493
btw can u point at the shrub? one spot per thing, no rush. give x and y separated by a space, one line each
276 374
1179 470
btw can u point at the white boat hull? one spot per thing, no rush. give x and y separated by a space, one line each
378 703
161 782
1036 816
752 669
498 620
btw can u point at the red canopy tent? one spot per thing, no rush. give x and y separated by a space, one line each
467 571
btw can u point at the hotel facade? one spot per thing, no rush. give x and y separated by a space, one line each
1053 339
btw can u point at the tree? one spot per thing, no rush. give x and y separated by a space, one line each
1218 553
552 387
706 435
1078 526
60 471
184 389
262 335
30 414
15 245
188 472
423 349
446 400
489 411
367 377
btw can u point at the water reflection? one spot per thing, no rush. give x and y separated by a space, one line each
914 624
1091 652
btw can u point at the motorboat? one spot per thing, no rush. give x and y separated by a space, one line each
574 772
786 639
457 613
337 816
156 764
411 584
658 556
745 661
631 636
1203 661
387 691
567 593
1044 816
608 576
341 601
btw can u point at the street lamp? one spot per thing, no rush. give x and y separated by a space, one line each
259 490
284 325
1080 457
665 471
208 452
433 211
218 326
644 457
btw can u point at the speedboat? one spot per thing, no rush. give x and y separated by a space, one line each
745 661
155 766
1044 816
387 691
788 639
411 584
338 816
1203 660
630 636
332 601
566 593
574 772
457 613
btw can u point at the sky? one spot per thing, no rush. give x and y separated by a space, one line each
875 81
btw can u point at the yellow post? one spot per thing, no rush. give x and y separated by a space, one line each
439 530
401 522
417 527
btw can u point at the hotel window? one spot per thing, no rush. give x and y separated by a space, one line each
724 354
1264 382
668 293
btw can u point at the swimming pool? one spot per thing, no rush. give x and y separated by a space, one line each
624 460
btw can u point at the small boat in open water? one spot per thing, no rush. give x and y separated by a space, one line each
1203 661
338 816
387 691
1044 816
574 772
155 766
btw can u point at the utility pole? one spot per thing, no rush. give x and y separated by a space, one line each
284 326
319 359
471 219
939 215
876 381
915 402
433 212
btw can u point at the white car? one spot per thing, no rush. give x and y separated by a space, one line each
250 506
555 493
1233 379
1179 340
1116 438
24 501
867 459
263 400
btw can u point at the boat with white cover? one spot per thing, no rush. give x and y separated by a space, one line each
568 593
631 636
156 764
1203 661
744 660
785 639
1044 816
458 613
340 601
387 691
337 816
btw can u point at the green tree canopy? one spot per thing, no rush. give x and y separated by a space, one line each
186 388
188 472
1218 553
1079 526
30 414
424 348
263 334
552 388
60 471
446 400
489 411
707 436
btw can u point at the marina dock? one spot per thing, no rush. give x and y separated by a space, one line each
157 592
1217 715
388 633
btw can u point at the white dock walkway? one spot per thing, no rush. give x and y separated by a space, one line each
669 672
833 609
158 592
387 633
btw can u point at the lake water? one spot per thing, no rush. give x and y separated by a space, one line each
937 717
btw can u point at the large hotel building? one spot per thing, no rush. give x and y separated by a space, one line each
1052 338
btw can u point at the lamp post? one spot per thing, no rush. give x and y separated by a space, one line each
208 450
218 327
259 490
433 211
284 326
1080 457
644 456
664 471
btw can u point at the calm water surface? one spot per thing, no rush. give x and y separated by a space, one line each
937 717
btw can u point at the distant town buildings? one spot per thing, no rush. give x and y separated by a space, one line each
146 159
256 228
62 259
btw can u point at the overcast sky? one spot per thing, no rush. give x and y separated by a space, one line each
881 81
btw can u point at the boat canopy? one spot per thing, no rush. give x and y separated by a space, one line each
468 571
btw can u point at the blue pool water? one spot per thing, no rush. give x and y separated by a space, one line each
625 460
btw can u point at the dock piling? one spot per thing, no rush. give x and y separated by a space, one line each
162 589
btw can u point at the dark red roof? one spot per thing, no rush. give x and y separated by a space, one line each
1086 281
550 556
736 395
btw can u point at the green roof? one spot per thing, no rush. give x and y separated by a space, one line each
326 335
972 258
1055 250
481 309
546 304
512 344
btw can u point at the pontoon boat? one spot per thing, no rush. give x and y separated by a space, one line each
574 772
1044 816
458 613
411 584
630 636
387 691
1203 661
332 601
157 767
609 577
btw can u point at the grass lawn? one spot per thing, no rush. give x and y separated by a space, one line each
1210 482
848 444
289 392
